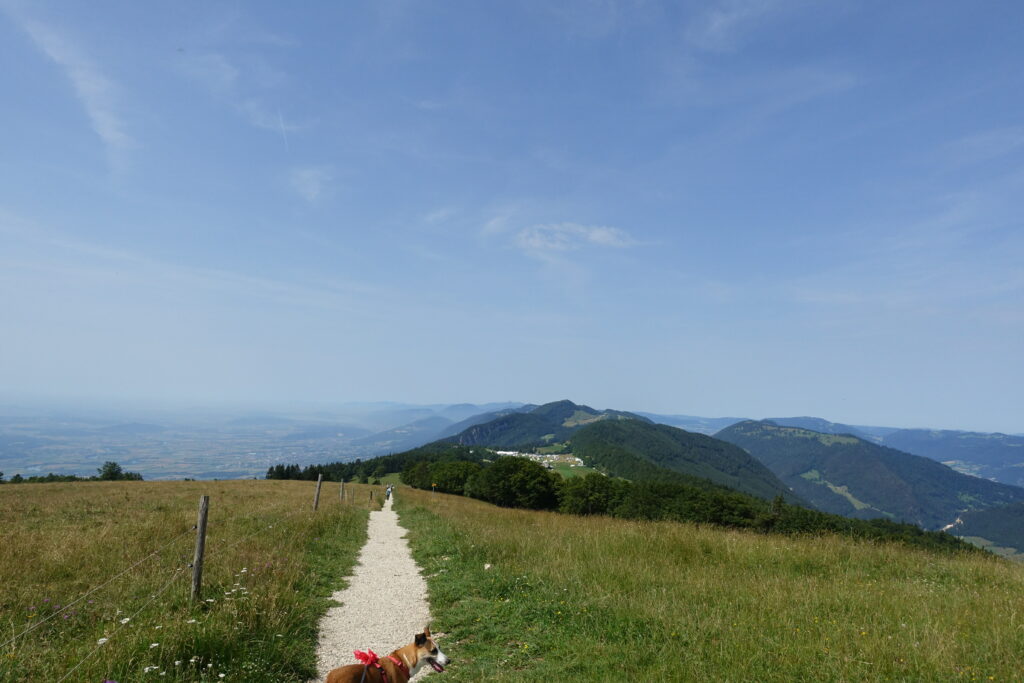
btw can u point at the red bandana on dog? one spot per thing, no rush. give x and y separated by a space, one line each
369 658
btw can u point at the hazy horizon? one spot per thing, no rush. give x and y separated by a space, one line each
113 409
737 207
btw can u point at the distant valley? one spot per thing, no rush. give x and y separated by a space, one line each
209 444
215 445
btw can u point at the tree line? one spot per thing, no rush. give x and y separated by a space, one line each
367 471
110 471
523 483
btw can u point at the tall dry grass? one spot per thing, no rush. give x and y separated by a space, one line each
270 562
592 599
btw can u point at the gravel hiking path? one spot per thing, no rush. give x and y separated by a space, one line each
385 604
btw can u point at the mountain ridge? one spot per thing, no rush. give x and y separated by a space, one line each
847 475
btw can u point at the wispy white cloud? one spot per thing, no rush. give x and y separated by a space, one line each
69 258
960 261
722 27
500 222
212 70
96 92
311 182
561 237
244 89
987 145
440 215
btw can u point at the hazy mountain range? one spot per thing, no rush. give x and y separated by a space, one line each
860 471
202 442
840 469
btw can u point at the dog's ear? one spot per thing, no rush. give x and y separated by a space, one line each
426 630
421 639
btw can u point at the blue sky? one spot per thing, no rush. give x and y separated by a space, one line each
752 207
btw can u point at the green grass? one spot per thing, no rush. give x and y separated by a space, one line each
569 471
596 599
1007 552
814 476
270 563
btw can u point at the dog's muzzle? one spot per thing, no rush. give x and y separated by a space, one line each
438 662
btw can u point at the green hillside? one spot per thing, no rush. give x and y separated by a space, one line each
846 475
637 488
549 423
625 445
991 456
481 418
626 448
1002 527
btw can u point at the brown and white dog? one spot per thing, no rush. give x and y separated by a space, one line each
397 667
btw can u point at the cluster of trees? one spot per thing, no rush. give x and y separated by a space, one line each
366 471
110 471
519 482
656 493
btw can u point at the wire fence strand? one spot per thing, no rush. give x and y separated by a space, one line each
177 573
102 585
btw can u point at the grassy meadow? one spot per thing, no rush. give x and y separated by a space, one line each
596 599
568 471
269 563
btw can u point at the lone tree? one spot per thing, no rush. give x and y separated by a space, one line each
110 471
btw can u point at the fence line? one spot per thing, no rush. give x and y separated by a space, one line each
102 585
103 641
178 572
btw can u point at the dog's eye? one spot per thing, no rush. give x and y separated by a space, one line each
434 651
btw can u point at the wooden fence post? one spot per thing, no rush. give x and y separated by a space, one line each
341 493
316 498
197 561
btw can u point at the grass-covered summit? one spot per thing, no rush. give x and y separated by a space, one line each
629 446
641 451
549 423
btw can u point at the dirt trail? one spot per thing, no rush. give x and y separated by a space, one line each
385 604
